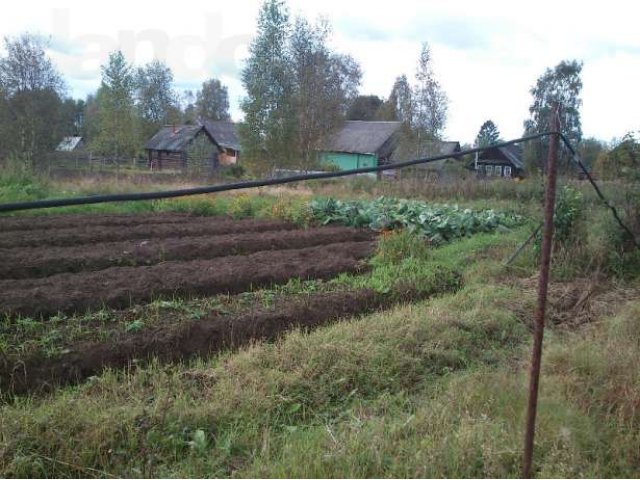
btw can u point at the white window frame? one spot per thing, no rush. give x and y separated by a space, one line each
489 169
507 171
497 169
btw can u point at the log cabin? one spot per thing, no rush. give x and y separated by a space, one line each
225 135
182 148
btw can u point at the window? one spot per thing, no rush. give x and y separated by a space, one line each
507 171
498 170
489 169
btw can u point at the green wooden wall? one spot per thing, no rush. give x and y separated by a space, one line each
349 161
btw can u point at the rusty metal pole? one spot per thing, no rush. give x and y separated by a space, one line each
543 282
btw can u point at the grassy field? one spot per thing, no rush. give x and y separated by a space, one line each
425 388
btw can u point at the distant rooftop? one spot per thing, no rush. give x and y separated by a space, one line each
223 132
357 136
68 144
173 138
512 152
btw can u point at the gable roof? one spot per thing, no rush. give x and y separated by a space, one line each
223 133
357 136
511 153
68 144
173 138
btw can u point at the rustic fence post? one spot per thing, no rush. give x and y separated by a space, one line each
543 282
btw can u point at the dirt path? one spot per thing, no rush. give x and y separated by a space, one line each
44 261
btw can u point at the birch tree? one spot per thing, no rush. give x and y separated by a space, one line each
31 100
116 128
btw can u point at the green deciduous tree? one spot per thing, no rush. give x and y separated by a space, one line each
422 107
399 105
430 102
590 149
31 100
324 84
115 128
268 129
488 134
364 107
156 99
188 106
561 84
622 161
298 90
212 101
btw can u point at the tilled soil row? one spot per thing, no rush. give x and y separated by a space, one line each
191 338
114 233
120 287
49 222
45 261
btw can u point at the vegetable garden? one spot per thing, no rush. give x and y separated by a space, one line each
69 268
189 334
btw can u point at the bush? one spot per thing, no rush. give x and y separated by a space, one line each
18 182
568 212
236 171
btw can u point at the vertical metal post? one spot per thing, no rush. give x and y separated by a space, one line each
543 282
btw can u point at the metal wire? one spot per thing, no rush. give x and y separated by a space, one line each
576 158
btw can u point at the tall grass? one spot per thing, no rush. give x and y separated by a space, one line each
268 408
18 182
433 389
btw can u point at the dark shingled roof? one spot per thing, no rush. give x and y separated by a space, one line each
224 133
358 136
173 138
512 153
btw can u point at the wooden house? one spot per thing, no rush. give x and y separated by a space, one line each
435 170
360 144
182 147
226 137
497 162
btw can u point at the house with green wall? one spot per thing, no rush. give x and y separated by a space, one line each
361 144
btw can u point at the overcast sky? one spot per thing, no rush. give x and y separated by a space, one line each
487 54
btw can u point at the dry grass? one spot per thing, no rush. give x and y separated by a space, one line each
580 302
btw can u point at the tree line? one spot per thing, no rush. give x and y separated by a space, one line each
298 92
128 107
